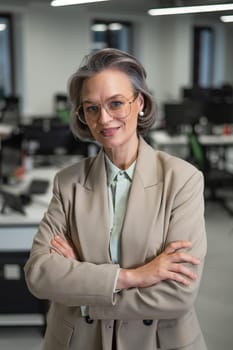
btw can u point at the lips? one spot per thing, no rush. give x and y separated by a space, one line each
109 131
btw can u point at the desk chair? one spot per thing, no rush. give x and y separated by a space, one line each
215 178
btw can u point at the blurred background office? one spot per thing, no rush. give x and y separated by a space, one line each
188 59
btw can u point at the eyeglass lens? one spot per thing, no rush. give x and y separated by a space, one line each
117 107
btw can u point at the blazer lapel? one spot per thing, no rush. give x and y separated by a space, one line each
92 214
143 207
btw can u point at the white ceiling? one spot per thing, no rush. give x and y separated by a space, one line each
127 6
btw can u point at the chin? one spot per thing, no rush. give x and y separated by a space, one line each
109 142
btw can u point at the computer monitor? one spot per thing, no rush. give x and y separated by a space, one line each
50 139
216 95
222 94
177 115
219 113
196 93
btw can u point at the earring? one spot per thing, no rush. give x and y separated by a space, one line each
141 113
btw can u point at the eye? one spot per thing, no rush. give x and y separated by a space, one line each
116 104
91 109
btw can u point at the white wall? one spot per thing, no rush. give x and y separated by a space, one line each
166 55
55 42
51 43
170 47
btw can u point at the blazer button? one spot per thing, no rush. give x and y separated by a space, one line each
147 322
88 320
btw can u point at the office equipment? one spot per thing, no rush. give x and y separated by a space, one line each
18 201
17 305
35 187
11 156
195 93
11 160
216 95
12 201
62 107
43 140
38 186
9 110
219 113
178 115
51 137
14 294
227 92
198 149
174 117
216 178
223 93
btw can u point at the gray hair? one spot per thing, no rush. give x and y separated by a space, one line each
97 62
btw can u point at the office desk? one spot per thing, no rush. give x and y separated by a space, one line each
216 140
162 139
17 305
178 145
217 149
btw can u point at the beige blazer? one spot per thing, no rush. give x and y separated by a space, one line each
165 204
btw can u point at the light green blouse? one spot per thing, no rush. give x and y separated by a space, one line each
119 183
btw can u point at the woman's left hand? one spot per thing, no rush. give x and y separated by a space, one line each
61 246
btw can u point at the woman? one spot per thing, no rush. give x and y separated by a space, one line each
120 251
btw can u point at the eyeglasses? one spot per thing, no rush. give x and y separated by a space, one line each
118 107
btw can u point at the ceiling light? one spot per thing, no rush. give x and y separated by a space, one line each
72 2
226 18
2 27
190 9
99 27
115 26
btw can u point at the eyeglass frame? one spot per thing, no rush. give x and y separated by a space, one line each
102 106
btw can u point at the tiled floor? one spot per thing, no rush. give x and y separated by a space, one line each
214 303
20 338
215 300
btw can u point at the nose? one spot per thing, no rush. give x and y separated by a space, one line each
104 117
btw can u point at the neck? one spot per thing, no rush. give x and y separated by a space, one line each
122 157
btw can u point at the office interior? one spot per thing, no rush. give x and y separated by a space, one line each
188 59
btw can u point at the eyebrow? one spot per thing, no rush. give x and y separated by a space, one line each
109 98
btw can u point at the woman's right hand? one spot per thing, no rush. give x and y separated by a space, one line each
169 265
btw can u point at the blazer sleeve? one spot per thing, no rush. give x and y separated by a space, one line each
63 280
168 299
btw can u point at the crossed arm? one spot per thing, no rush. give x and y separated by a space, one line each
177 265
169 265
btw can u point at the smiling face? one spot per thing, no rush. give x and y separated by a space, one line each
108 89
